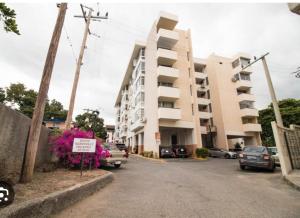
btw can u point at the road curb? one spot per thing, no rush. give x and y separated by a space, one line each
57 201
148 158
291 183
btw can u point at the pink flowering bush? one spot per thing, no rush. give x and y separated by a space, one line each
63 144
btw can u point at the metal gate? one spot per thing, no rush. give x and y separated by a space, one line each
292 140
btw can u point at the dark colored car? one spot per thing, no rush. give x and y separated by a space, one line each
166 152
257 157
180 151
123 147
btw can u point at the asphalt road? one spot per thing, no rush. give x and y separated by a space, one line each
190 188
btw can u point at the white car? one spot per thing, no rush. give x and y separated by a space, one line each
274 153
217 152
117 157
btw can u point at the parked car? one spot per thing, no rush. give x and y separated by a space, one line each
274 152
117 157
180 151
166 152
217 152
257 157
123 147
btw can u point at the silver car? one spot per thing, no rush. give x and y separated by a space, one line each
217 152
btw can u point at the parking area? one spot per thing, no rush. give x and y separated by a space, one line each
190 188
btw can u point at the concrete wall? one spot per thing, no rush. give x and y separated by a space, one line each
13 137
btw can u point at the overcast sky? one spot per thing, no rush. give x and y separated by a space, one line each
223 29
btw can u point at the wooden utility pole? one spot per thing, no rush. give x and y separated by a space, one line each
79 61
38 114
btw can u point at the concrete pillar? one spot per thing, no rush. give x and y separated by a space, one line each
140 143
284 158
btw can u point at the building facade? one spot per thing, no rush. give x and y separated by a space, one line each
169 97
110 130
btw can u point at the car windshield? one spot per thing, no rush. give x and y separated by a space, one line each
254 149
273 150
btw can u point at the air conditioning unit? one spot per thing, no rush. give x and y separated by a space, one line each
234 79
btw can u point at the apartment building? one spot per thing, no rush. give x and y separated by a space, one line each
168 97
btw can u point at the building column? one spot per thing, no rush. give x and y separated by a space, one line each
140 143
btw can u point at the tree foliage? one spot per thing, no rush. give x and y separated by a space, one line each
24 99
290 112
2 95
8 16
92 121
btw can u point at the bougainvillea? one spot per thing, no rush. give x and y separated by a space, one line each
63 144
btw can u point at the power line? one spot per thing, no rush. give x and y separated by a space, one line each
70 42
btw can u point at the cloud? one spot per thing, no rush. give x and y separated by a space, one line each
224 29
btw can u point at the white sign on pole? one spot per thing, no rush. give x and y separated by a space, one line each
84 145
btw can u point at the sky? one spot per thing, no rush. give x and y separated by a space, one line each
221 28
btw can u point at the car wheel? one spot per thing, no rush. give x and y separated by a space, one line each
227 156
273 168
117 165
242 167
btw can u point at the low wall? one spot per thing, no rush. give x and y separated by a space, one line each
14 128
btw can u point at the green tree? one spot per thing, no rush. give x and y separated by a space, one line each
55 109
290 112
15 93
2 95
8 16
92 121
24 99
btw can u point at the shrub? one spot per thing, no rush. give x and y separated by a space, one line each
62 147
202 152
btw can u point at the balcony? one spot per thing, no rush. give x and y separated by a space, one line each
167 74
167 38
167 21
246 97
203 101
169 113
249 112
166 93
137 125
243 84
166 57
201 75
252 127
205 115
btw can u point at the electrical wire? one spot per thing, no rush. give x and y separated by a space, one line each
70 42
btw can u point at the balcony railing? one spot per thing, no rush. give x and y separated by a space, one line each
167 74
167 38
252 127
166 57
168 93
169 113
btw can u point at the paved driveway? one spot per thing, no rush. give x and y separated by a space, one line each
190 188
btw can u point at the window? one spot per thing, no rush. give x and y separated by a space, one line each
244 62
208 94
165 84
189 72
191 90
246 104
210 110
188 56
207 81
165 104
245 76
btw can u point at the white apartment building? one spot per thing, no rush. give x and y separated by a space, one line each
168 97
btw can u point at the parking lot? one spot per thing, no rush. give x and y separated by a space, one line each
190 188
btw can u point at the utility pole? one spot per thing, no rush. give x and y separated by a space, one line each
38 114
271 88
79 61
